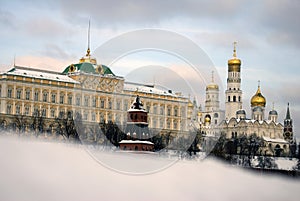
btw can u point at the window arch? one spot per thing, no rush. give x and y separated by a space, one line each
228 98
234 98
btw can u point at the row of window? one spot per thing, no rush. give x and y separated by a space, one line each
234 99
86 101
234 89
61 114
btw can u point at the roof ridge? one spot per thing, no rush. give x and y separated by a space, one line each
35 69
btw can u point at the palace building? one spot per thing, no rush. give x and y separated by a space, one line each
90 89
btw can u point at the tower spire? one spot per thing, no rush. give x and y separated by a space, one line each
14 60
88 50
288 115
212 77
234 48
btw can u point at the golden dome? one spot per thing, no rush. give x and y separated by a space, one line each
190 104
212 86
258 99
207 119
234 61
234 64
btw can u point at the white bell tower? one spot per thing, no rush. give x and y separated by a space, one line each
233 93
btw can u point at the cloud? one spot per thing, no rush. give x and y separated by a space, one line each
43 62
55 51
46 27
145 12
7 19
280 19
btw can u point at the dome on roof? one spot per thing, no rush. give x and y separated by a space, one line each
258 99
234 64
212 86
87 67
207 119
241 112
234 61
190 104
273 112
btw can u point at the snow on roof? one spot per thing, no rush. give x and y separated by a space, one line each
40 74
135 142
136 110
275 140
252 121
153 89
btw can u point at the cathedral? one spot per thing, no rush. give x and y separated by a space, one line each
234 122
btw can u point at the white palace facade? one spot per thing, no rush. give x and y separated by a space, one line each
90 89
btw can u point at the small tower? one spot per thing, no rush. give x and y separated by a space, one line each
258 104
212 102
212 114
137 130
233 93
273 115
137 121
288 126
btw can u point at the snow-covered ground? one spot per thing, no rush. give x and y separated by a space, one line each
35 170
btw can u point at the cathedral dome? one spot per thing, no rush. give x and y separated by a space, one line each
207 119
258 99
239 112
273 112
234 61
234 64
212 86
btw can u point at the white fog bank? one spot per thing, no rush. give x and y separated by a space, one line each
33 170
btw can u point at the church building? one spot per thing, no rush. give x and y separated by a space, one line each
277 137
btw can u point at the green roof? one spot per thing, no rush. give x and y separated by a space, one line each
89 68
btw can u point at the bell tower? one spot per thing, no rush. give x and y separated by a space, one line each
233 93
288 126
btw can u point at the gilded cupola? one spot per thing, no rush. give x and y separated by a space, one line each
234 64
258 99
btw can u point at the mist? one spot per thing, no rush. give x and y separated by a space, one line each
44 170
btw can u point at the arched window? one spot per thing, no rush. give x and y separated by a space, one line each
239 99
216 115
228 98
234 98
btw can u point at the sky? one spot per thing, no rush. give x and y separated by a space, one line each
59 171
53 34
